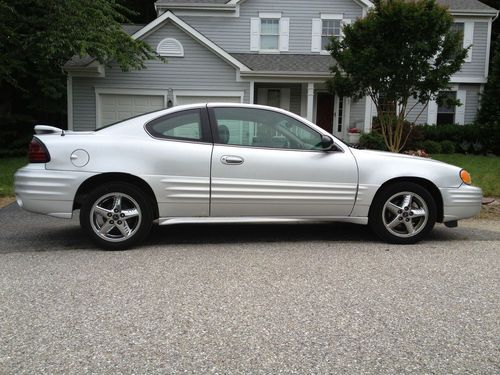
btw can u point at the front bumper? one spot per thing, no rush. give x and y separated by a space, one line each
46 191
461 203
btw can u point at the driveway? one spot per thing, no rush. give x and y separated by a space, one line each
325 298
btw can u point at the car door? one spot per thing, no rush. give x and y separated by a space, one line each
266 163
182 152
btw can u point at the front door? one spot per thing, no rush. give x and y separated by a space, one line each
266 163
324 111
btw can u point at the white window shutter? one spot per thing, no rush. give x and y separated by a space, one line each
460 110
316 35
284 33
432 112
285 99
342 24
254 34
468 38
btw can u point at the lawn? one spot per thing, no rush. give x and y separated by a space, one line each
485 171
7 168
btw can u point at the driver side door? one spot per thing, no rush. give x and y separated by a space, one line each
266 163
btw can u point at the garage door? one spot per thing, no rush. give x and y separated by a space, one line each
116 107
185 99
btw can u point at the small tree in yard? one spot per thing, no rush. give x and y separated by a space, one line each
489 113
401 50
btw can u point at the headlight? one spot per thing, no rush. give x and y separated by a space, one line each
465 177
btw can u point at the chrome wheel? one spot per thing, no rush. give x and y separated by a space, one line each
115 217
405 214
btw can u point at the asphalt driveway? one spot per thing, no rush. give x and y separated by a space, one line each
325 298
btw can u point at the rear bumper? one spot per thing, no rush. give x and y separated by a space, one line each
461 203
47 192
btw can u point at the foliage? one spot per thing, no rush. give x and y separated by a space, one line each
372 141
8 167
400 50
431 147
489 111
485 170
38 36
447 147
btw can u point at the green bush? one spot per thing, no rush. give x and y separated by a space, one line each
372 141
431 147
447 147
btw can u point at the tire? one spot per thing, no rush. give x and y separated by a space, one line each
117 216
395 221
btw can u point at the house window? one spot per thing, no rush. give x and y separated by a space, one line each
274 98
329 28
445 111
269 34
458 27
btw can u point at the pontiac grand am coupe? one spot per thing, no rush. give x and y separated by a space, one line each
219 163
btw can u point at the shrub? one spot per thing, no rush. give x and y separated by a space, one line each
447 147
432 147
372 141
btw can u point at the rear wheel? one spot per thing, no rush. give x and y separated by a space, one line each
403 213
117 215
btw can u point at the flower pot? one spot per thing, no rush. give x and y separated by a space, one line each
353 138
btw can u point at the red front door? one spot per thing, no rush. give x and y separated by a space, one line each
324 111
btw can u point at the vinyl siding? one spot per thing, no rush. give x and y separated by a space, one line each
476 67
199 69
233 33
471 105
357 117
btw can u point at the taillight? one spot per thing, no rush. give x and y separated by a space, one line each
37 152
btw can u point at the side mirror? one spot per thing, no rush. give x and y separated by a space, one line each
326 143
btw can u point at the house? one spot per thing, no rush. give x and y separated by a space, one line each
258 51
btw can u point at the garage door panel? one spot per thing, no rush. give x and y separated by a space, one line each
117 107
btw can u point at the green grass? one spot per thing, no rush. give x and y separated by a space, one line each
485 170
8 167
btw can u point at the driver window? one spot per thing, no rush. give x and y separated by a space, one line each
263 128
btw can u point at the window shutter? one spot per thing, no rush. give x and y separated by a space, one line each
285 99
284 33
262 96
316 35
460 110
468 38
254 34
432 111
342 24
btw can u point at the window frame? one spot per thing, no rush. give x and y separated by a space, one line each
455 93
206 134
215 133
328 19
278 35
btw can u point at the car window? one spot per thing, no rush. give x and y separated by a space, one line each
262 128
184 125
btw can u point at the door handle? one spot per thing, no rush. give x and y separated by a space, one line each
231 160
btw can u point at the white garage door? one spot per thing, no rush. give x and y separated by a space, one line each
117 107
185 99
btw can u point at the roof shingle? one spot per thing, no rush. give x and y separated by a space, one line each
286 63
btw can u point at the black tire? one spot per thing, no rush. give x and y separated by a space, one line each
126 230
390 222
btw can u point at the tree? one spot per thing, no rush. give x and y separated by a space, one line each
489 112
400 51
38 36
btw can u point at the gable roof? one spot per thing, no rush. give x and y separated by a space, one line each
139 31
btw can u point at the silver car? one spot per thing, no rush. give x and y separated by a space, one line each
219 163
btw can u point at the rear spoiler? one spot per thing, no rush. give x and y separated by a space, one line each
46 129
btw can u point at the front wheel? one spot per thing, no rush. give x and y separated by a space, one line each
117 215
403 213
